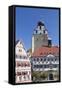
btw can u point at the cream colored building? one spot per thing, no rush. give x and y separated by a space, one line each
23 66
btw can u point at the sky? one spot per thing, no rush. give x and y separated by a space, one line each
27 19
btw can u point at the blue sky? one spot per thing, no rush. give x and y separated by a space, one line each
26 21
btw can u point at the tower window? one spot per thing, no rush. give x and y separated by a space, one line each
40 27
44 31
36 31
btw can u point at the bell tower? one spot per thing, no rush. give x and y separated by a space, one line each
40 36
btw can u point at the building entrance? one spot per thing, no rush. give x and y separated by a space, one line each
51 76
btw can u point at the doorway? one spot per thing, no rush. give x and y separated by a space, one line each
51 76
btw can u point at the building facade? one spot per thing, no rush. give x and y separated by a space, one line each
46 61
23 65
45 56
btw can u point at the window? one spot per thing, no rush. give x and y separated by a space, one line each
18 64
24 73
35 66
44 31
20 57
20 50
51 66
45 59
40 27
38 66
24 57
55 59
17 56
34 60
24 77
36 31
18 73
41 59
25 64
55 66
46 66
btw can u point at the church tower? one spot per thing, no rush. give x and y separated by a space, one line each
39 37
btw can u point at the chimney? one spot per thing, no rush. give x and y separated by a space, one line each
49 42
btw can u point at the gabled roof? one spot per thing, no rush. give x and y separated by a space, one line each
42 51
17 42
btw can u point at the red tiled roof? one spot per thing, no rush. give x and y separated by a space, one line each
54 50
